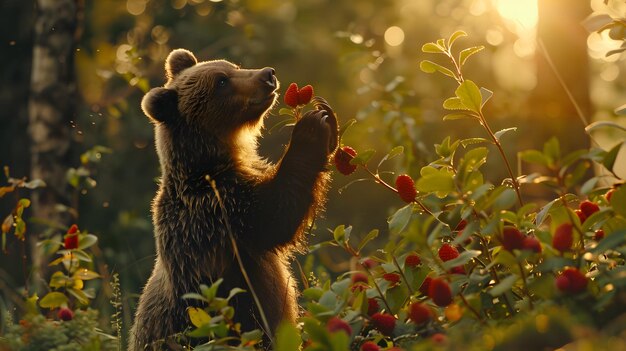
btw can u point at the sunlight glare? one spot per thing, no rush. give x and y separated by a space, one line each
523 13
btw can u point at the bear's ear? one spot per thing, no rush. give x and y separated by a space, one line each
160 104
177 61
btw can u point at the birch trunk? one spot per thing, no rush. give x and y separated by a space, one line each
51 109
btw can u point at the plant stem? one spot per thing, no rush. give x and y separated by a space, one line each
380 292
525 285
395 262
459 78
472 309
496 142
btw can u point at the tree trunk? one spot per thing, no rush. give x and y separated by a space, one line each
565 41
52 108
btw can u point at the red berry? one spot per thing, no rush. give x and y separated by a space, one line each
369 263
439 291
369 346
598 235
342 160
562 283
305 94
359 277
358 287
419 313
448 252
372 306
439 338
406 188
412 260
71 241
512 238
581 216
291 95
571 281
393 278
336 324
531 244
384 323
65 314
459 227
589 208
609 194
458 270
563 238
73 229
425 285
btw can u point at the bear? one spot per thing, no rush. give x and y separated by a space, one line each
218 196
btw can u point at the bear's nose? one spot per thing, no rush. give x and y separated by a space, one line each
268 75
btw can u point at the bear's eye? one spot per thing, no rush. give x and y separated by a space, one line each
221 82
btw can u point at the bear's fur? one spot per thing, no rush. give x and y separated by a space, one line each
214 186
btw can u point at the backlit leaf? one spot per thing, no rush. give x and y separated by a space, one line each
470 96
431 67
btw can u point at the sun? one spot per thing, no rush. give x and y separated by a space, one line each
523 13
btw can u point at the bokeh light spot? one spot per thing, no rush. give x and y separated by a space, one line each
136 7
394 36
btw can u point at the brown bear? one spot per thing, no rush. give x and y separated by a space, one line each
214 186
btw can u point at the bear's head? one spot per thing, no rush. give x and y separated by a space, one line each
212 97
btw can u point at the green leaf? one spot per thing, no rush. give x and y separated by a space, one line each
341 234
288 337
85 274
472 141
470 96
53 300
535 157
504 285
34 184
455 116
454 103
440 181
85 241
609 242
466 53
456 35
500 133
487 94
198 316
552 149
252 337
431 67
399 220
432 48
79 295
194 296
618 201
608 161
362 158
313 293
60 280
603 124
233 292
370 236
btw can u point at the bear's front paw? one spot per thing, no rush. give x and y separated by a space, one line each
312 137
